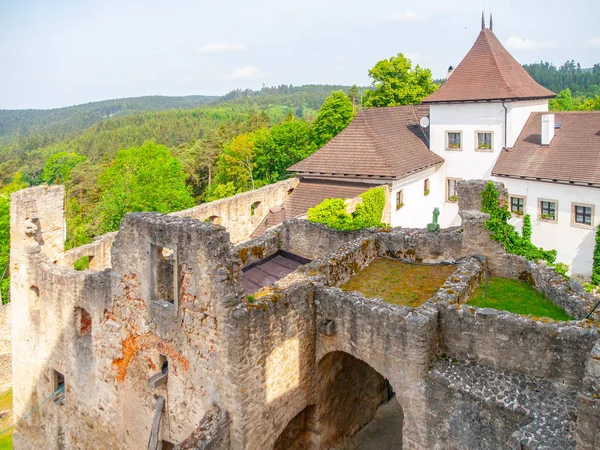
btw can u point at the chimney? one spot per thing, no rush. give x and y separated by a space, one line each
547 128
450 70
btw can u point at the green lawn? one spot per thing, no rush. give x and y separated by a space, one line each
516 297
399 282
6 404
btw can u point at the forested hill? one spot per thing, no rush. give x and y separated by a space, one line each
62 122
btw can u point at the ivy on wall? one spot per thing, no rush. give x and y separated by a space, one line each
332 212
506 233
596 264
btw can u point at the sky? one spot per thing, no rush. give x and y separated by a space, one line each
56 53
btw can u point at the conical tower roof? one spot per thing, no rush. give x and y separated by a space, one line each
488 72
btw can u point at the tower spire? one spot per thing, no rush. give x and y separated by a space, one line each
482 20
491 23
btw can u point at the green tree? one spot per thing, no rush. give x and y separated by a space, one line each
335 115
354 96
146 178
236 162
283 146
59 165
563 102
396 82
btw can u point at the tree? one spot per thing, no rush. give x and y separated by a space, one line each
59 165
335 115
283 146
146 178
236 164
396 82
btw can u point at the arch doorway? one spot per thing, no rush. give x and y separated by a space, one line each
355 408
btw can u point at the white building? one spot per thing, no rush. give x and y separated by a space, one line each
489 120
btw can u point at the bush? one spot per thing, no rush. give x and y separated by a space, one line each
589 287
506 233
561 268
332 212
596 264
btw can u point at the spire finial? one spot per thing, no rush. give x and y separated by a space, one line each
491 23
482 20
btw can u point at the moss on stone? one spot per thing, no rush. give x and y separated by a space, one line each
243 254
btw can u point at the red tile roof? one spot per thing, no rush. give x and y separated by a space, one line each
488 72
380 143
572 156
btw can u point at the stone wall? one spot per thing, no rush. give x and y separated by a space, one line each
236 214
99 253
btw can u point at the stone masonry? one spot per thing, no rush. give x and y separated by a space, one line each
158 345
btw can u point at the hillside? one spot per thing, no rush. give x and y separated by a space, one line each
61 122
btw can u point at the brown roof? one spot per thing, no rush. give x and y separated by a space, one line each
307 194
572 156
383 143
488 72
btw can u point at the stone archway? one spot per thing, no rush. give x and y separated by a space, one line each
354 408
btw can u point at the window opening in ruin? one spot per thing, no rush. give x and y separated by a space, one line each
214 219
254 207
58 387
289 192
83 263
83 321
164 364
164 274
34 295
166 445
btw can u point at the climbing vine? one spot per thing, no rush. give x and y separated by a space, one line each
596 264
506 233
332 212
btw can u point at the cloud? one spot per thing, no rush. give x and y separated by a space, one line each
245 73
222 47
339 57
406 16
595 42
518 43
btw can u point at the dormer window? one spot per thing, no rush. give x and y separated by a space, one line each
453 140
484 140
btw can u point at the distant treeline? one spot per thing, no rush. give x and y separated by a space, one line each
580 81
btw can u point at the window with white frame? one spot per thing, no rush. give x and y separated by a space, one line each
517 205
484 140
451 193
548 210
453 140
399 199
582 215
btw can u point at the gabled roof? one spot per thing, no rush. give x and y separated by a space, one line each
380 143
573 155
488 72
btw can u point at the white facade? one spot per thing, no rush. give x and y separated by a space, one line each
574 242
417 208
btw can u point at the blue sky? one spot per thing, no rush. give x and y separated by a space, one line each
60 53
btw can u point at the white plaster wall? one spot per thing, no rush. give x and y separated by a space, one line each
469 163
575 245
518 114
417 211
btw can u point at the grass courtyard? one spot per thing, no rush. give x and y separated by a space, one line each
399 282
516 297
6 421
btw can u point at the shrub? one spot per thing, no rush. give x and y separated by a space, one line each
561 268
332 212
596 264
589 287
506 233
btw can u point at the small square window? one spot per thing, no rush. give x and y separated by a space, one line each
164 274
517 205
548 210
451 193
426 187
453 140
399 199
484 140
582 216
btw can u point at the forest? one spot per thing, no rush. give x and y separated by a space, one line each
169 153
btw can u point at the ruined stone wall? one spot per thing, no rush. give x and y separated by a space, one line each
97 251
588 404
235 213
5 348
542 348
